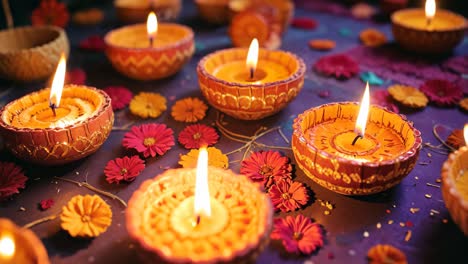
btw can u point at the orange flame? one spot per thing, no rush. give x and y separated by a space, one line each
465 133
7 247
202 193
152 25
252 56
57 83
361 120
430 9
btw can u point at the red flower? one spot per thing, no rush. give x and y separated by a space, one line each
298 235
93 43
287 195
266 167
120 96
384 99
149 139
123 169
304 23
339 65
50 12
196 136
11 179
46 204
442 92
75 76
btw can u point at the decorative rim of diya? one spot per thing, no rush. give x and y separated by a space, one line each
454 201
298 132
149 194
398 16
300 71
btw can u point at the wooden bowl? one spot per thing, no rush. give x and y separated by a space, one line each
455 198
128 50
410 31
136 11
251 100
31 53
213 11
387 153
86 122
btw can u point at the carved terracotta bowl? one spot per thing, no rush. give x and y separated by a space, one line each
82 123
322 145
136 11
213 11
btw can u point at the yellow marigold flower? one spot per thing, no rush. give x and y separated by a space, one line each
189 110
372 37
86 216
216 158
408 95
464 104
147 105
382 254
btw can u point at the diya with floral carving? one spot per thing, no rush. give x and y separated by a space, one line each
52 126
250 87
202 215
150 52
428 31
455 185
20 245
354 154
136 11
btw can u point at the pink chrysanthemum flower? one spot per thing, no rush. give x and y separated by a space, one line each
198 135
46 204
119 95
384 99
298 234
287 195
11 179
149 139
339 65
123 169
50 12
266 167
442 92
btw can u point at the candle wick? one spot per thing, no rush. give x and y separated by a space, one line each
252 73
428 22
197 220
355 139
52 106
151 41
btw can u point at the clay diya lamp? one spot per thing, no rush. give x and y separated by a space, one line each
136 11
355 156
203 215
31 53
250 87
455 185
20 245
213 11
428 31
52 126
150 51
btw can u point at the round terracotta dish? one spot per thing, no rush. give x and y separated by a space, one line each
213 11
255 100
136 11
388 153
455 187
86 122
411 32
31 53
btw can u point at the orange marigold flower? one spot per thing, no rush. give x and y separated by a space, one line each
408 95
322 44
90 16
372 37
148 105
385 254
464 104
189 110
50 12
216 158
456 139
86 216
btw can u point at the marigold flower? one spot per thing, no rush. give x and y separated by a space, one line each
123 169
322 44
408 95
46 204
464 104
456 139
148 105
372 37
189 110
198 135
339 65
216 158
11 179
384 254
287 195
149 139
50 12
90 16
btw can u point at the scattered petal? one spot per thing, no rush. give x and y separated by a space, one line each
216 158
372 37
363 11
322 44
91 16
50 12
304 23
442 92
345 32
339 65
324 93
123 169
148 105
298 234
149 139
287 195
408 96
11 179
86 216
371 78
457 64
93 43
120 96
383 254
464 104
384 99
46 204
456 139
189 110
198 135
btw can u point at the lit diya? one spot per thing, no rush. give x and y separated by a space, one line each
150 51
20 245
455 185
202 215
57 125
426 30
250 84
354 150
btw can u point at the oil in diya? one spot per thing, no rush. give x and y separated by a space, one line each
252 83
57 125
428 30
150 51
202 215
353 155
455 185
